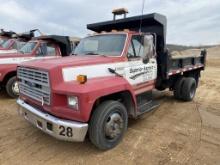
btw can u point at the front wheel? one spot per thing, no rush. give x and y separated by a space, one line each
12 87
108 124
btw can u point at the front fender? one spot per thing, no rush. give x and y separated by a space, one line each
6 69
92 90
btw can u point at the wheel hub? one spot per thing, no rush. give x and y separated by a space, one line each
192 91
114 126
15 88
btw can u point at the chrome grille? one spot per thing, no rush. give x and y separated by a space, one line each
34 84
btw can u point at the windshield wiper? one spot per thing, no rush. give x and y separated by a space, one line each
103 55
92 53
21 51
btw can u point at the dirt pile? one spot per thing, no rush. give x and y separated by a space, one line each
213 52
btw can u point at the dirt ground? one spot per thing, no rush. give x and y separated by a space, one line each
175 133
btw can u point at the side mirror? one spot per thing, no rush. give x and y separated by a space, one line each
146 60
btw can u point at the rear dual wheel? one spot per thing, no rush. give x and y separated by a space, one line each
178 88
189 89
185 88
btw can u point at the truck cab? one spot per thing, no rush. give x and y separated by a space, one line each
42 47
110 78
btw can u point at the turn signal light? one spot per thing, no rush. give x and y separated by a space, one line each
82 79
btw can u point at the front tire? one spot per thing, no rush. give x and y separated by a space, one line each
108 124
12 88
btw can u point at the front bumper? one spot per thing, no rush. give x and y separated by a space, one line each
61 129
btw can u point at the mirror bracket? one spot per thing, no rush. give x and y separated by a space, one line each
146 60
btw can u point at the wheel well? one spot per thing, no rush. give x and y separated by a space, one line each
8 76
124 97
195 74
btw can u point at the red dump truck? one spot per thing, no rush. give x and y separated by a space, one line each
42 47
16 42
5 36
110 79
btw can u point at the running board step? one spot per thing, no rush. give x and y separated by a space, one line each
147 107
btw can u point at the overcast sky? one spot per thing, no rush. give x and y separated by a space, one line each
190 22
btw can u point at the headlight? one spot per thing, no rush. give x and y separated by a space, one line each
73 102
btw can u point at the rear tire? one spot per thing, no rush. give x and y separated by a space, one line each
178 88
189 89
12 87
108 124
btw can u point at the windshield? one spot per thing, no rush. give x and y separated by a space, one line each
28 47
109 44
20 44
5 43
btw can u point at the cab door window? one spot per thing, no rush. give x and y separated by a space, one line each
46 49
136 47
19 45
51 50
141 46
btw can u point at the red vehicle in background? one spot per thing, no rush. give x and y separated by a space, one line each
16 42
42 47
5 36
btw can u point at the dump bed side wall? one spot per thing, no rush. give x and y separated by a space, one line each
184 64
169 67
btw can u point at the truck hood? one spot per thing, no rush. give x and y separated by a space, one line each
1 48
70 61
12 55
8 51
14 58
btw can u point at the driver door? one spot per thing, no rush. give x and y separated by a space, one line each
141 70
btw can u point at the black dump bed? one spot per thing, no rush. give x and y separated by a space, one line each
26 36
6 33
63 42
169 66
150 23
